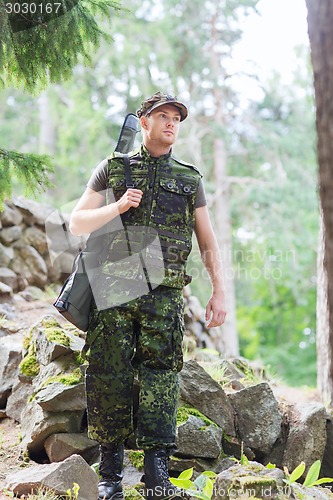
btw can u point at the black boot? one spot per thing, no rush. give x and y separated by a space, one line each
156 477
111 470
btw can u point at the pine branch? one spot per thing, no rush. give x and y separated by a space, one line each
30 169
39 48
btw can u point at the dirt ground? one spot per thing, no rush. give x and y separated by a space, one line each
26 314
9 451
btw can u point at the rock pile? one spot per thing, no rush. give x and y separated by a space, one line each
215 421
225 410
30 254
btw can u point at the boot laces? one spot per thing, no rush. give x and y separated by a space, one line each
110 467
163 471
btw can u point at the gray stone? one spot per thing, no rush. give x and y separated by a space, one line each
307 434
249 481
30 264
58 477
200 390
10 234
32 212
10 216
6 255
36 238
61 446
58 397
258 417
37 425
197 439
10 278
18 399
327 463
49 350
5 292
10 358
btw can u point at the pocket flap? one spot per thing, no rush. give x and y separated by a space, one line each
179 186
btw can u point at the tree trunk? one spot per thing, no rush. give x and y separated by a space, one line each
222 207
324 355
320 23
224 238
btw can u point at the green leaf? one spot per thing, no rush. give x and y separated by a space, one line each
322 480
313 473
297 473
208 489
209 473
200 482
270 466
185 484
186 474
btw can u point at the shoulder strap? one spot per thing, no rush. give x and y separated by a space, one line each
128 175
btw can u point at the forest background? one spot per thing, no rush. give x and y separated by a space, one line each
257 155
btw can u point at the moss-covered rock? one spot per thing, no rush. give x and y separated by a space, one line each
72 378
57 336
185 411
29 366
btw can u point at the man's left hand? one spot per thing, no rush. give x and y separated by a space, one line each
215 310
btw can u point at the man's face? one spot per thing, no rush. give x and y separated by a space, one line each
162 125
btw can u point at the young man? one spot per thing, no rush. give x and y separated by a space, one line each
144 332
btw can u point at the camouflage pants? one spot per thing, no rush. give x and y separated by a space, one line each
142 337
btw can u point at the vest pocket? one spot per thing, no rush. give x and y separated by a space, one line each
175 202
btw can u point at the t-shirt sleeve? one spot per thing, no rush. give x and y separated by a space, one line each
201 196
99 178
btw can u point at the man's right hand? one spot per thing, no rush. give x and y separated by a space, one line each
131 198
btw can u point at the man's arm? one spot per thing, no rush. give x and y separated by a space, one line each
91 213
215 310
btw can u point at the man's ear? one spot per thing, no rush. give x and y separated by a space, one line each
143 122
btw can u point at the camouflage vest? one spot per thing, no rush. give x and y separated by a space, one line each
156 237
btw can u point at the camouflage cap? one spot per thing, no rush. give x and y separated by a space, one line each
159 99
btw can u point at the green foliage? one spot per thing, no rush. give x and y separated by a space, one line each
57 335
136 457
30 169
311 478
74 492
184 411
73 378
95 467
29 365
34 57
202 487
49 51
